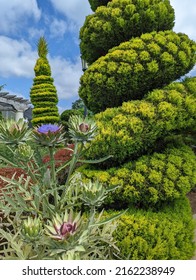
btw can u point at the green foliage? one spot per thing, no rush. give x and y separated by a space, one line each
150 180
135 67
42 67
14 133
148 235
146 122
129 131
96 3
6 153
120 21
43 93
78 104
42 47
46 119
2 86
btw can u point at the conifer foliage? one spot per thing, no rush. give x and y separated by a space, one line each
144 116
43 93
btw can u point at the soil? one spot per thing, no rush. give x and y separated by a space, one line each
192 198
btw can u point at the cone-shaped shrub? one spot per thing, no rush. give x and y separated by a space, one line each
120 21
43 93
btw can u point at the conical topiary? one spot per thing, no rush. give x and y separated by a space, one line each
43 93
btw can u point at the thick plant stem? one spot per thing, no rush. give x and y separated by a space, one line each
53 176
73 163
76 155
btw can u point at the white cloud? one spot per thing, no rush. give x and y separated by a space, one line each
75 10
35 33
17 58
185 17
66 76
14 13
58 28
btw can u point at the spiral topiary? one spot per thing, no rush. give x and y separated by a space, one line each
163 235
150 180
134 60
43 93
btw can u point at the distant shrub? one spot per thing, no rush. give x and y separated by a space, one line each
64 118
164 235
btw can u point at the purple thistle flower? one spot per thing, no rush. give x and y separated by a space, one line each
62 228
45 128
68 228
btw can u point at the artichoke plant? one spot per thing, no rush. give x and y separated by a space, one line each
24 152
49 135
14 132
61 228
82 130
32 229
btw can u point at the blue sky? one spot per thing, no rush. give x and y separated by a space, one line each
22 22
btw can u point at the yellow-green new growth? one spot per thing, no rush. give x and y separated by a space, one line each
42 47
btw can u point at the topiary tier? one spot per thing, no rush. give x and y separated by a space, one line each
134 60
163 235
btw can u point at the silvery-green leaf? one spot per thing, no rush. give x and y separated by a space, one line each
110 219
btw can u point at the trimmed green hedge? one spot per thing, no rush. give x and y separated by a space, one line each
129 131
120 21
166 235
149 181
46 120
44 86
136 67
42 67
46 111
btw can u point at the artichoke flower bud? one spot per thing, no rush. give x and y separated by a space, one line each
93 193
82 130
32 229
14 133
61 228
49 135
24 152
83 127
